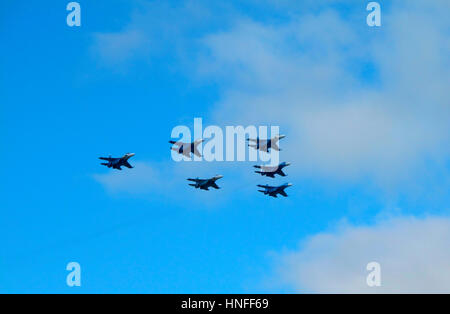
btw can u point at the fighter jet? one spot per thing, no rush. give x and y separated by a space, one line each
272 171
204 184
117 163
274 190
266 145
187 148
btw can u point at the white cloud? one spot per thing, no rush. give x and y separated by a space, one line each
158 29
305 75
413 254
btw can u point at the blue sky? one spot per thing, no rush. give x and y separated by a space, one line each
365 112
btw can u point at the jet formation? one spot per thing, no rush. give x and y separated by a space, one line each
186 149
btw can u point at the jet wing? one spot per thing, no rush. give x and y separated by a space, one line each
196 153
194 180
187 153
104 158
181 150
126 164
282 192
263 147
281 173
178 143
214 185
269 169
275 146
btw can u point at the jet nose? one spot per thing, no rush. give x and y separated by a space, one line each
219 176
289 184
131 154
281 136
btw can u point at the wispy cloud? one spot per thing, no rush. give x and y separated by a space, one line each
344 124
141 179
159 28
115 48
151 180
